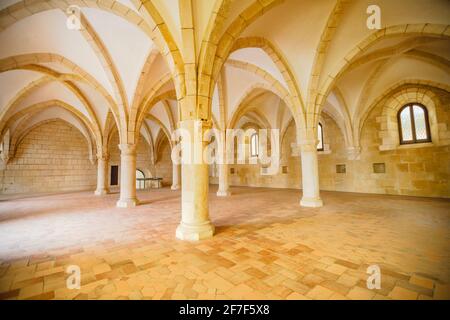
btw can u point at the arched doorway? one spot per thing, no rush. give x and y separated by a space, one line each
140 180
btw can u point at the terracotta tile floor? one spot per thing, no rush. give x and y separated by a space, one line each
266 247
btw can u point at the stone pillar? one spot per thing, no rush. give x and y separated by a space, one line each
310 175
127 176
222 157
175 176
224 187
102 174
195 223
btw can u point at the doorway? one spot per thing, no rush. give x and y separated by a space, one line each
114 175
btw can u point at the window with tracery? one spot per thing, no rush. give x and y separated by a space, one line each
413 124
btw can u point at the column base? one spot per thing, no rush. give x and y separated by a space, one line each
101 192
195 232
311 202
223 193
177 187
127 203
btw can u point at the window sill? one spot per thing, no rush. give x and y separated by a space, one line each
416 145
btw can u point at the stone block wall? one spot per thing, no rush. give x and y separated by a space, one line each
417 170
163 166
53 157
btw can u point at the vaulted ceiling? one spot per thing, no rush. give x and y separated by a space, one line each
270 61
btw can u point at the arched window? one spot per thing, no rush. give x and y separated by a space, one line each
140 182
254 145
413 124
320 137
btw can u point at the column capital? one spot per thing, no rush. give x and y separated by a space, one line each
127 149
102 157
190 123
308 145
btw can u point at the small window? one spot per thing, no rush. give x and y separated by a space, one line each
254 145
284 169
340 168
320 137
413 124
379 168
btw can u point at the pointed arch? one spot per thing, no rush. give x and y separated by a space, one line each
31 62
427 29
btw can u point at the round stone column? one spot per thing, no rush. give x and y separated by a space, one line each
224 187
127 176
310 175
102 173
195 223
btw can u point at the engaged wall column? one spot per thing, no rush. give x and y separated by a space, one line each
175 176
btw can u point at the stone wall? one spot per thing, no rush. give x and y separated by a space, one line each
53 157
163 166
417 170
250 175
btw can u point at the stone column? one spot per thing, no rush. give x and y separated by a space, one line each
224 187
175 176
310 175
102 174
127 176
195 223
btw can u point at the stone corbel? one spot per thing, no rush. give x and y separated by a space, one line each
3 161
206 125
295 150
127 149
305 146
102 156
4 152
354 153
309 145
